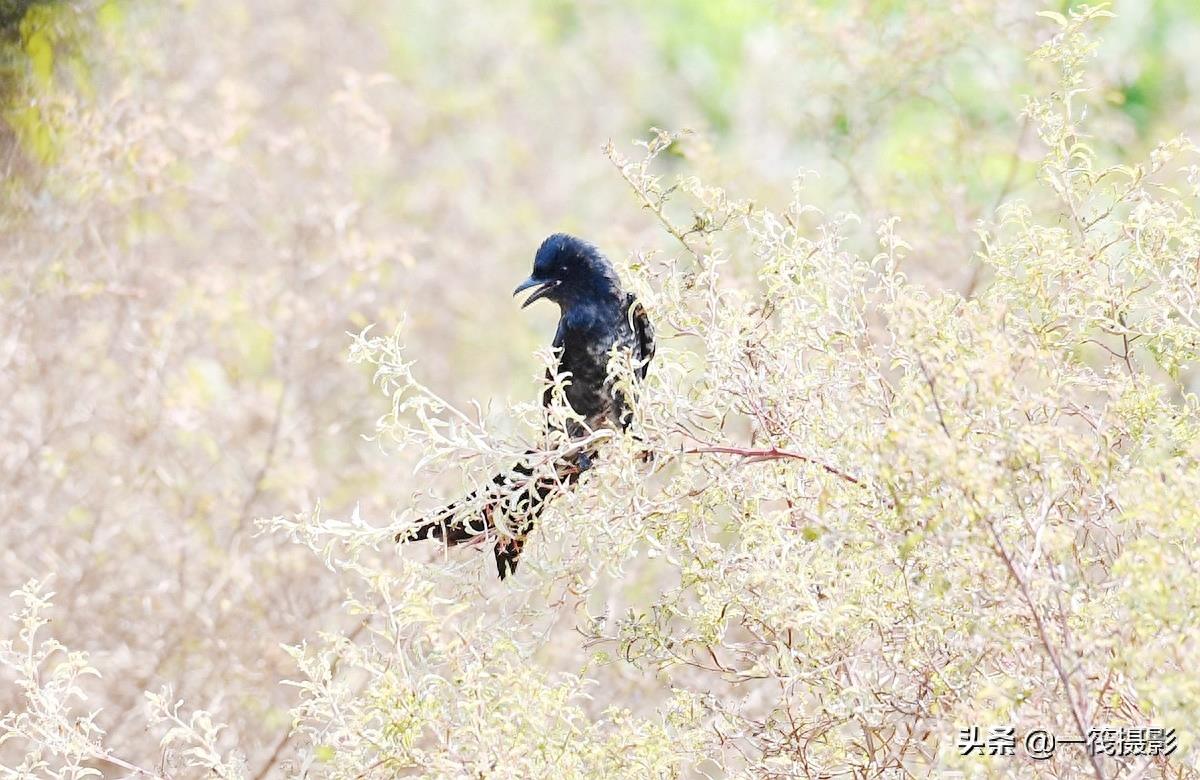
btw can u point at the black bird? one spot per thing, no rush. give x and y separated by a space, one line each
595 316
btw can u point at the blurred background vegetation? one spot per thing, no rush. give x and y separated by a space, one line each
200 198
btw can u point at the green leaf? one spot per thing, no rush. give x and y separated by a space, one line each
41 55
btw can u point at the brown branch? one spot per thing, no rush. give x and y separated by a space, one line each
137 770
268 458
283 741
774 453
286 737
1043 636
937 405
1014 164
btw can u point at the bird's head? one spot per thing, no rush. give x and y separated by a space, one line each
568 270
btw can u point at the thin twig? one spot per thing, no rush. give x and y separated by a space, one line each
111 759
1014 164
937 405
1044 638
773 453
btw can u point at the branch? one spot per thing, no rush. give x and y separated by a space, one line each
1043 636
137 770
1014 165
774 453
649 200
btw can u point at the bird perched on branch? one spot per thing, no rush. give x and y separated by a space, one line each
596 315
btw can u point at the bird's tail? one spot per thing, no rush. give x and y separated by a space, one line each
531 497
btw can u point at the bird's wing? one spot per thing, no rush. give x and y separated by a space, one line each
643 333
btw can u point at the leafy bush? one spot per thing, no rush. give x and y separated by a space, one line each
876 512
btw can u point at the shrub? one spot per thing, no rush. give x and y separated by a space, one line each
877 513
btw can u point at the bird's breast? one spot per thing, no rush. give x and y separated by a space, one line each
585 355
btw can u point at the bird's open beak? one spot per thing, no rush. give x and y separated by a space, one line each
544 287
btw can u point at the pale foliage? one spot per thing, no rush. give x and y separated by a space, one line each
887 512
875 512
59 738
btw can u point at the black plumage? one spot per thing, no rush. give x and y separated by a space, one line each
596 315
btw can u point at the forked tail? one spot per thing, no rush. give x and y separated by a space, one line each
518 494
